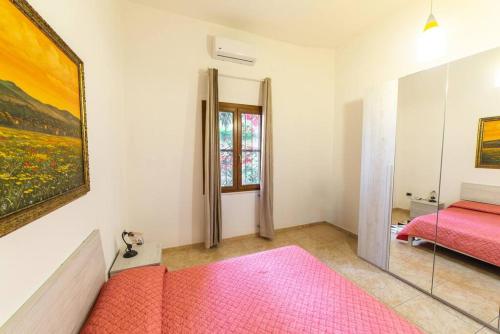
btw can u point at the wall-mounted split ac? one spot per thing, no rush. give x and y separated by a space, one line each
233 51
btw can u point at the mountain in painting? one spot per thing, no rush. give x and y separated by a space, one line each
492 144
18 110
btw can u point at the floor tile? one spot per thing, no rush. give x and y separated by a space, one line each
436 318
468 299
495 323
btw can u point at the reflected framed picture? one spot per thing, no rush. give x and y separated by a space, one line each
43 138
488 143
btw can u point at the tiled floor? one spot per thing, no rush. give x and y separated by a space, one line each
338 250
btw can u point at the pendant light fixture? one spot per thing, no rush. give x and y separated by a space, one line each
431 42
431 20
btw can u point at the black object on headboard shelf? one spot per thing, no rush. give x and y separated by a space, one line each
129 252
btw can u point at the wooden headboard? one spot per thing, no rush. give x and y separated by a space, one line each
62 303
480 193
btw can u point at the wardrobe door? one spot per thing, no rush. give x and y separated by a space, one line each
419 133
379 119
467 260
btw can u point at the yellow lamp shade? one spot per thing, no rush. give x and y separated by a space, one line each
431 22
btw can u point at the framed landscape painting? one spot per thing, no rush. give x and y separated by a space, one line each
43 142
488 143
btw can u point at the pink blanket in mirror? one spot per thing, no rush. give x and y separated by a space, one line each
467 227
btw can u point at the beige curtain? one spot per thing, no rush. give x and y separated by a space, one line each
266 221
213 217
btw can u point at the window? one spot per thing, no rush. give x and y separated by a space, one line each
240 145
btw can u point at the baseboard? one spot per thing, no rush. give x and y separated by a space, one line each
253 235
400 209
198 244
354 235
298 227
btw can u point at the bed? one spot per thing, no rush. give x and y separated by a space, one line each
285 290
467 226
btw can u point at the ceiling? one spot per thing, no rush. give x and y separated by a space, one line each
318 23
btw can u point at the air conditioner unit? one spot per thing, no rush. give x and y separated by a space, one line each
234 51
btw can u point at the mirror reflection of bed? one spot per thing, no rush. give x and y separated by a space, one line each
445 222
467 259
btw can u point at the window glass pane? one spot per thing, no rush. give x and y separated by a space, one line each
226 169
250 168
250 132
226 130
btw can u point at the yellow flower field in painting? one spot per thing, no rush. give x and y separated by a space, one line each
35 167
41 139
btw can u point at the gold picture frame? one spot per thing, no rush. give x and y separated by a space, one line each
23 215
488 143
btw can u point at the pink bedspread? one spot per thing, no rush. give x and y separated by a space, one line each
279 291
130 302
467 227
285 290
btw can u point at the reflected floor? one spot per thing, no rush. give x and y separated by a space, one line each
337 249
477 283
467 283
414 264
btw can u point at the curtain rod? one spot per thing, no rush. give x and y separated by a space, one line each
241 78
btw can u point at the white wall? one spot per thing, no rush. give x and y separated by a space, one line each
388 51
165 78
31 254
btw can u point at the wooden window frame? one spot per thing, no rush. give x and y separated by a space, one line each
237 110
226 107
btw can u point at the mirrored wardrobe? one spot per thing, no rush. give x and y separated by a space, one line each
433 219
